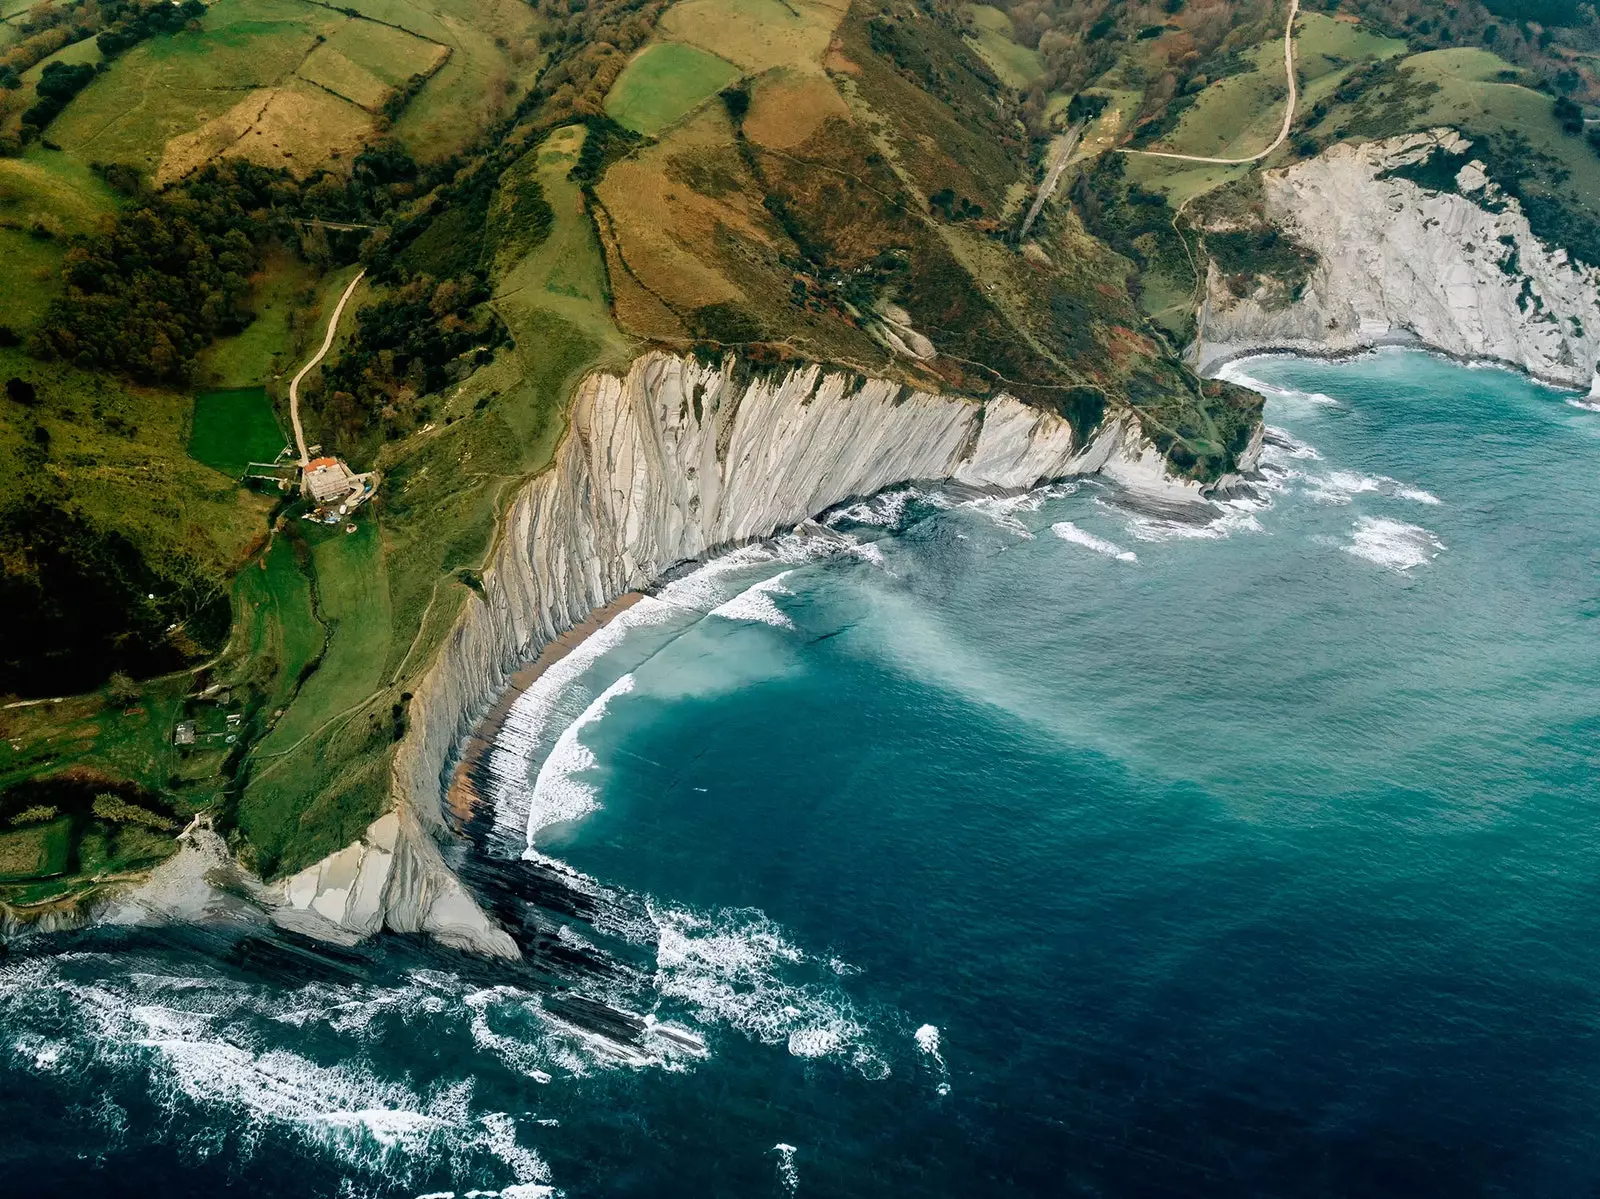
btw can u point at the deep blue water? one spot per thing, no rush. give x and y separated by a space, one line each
1010 847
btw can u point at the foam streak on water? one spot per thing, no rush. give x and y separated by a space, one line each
1068 531
559 796
529 720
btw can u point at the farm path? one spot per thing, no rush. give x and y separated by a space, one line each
1052 177
327 342
1288 108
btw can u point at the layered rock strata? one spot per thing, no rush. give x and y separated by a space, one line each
672 462
1460 271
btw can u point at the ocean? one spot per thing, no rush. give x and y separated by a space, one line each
963 845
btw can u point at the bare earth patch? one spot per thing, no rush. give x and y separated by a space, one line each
789 108
298 126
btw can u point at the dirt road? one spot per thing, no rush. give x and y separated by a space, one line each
294 384
1288 108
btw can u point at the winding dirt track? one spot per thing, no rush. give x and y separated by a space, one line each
1288 108
294 384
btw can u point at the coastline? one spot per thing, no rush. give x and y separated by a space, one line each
461 795
1209 366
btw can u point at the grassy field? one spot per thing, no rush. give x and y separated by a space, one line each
285 297
756 35
45 197
36 851
1240 114
364 61
276 632
233 428
564 276
352 601
169 86
494 58
87 732
297 84
1326 49
788 106
665 82
1017 66
121 453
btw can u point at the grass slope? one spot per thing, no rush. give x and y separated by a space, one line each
665 82
1017 66
45 197
233 428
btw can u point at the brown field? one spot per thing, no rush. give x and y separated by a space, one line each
298 126
329 69
666 229
787 108
756 35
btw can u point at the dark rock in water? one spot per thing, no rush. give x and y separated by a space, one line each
1239 490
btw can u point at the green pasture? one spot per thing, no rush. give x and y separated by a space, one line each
1017 66
45 198
284 300
233 428
665 82
292 765
36 851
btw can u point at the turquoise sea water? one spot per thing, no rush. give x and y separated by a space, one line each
974 846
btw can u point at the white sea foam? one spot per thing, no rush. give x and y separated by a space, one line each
558 794
1392 543
1234 372
737 968
1342 486
927 1038
1068 531
885 510
1002 510
200 1045
705 587
788 1175
1280 444
1231 519
529 718
755 603
1587 403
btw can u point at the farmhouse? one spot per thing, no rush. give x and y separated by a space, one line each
326 480
334 488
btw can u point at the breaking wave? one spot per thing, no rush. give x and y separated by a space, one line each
1392 544
187 1049
558 794
755 603
528 721
1068 531
788 1175
1234 372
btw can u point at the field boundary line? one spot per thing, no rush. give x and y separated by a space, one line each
1288 108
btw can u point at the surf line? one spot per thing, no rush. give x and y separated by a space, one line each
463 795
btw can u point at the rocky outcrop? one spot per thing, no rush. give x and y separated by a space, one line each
671 462
1458 270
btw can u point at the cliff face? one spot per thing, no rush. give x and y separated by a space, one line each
669 463
1460 270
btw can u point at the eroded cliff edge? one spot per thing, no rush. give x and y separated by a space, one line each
669 463
1453 265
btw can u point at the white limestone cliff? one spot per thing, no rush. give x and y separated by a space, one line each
672 462
1462 273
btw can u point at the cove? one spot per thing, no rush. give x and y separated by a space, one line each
1027 844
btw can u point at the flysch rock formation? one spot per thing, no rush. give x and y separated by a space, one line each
1461 273
670 463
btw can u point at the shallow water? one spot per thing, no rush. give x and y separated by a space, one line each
988 846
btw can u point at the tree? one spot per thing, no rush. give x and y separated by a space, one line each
1568 115
122 691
